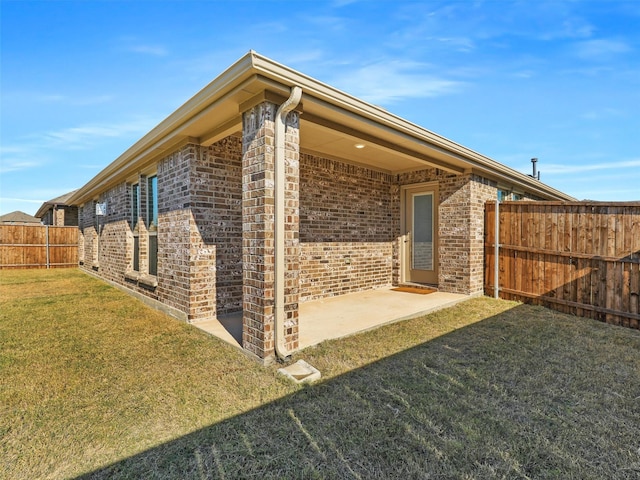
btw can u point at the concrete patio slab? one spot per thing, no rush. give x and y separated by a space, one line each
337 317
344 315
227 328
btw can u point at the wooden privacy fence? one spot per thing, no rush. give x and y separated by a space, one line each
38 246
576 257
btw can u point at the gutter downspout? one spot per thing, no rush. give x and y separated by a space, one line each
279 218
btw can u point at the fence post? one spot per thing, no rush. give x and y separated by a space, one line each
496 251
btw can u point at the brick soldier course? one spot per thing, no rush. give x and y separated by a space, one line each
216 205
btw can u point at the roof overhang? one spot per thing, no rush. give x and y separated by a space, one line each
44 208
332 123
61 201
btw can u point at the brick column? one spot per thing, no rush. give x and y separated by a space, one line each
258 249
292 230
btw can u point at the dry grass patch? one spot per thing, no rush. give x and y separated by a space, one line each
90 375
93 381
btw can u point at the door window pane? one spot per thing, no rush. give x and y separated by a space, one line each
422 238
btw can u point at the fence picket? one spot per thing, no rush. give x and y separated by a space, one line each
26 246
576 257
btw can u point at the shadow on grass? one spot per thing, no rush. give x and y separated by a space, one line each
524 394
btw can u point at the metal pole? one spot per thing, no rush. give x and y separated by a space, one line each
496 251
47 235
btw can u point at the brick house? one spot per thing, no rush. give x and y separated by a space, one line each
58 212
269 188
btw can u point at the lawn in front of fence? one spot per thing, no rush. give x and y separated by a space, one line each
93 382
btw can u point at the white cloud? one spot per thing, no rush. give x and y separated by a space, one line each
523 74
24 200
91 100
327 22
12 150
36 150
475 24
601 114
16 164
343 3
133 44
394 80
89 166
46 97
24 97
580 168
613 195
87 136
600 49
154 50
461 44
37 195
302 57
563 24
15 158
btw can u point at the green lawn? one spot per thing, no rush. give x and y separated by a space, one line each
92 382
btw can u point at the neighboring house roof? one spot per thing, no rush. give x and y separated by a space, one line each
18 217
61 201
332 122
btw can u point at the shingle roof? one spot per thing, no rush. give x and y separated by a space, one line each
18 217
61 200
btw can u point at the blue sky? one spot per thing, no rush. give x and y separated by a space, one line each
558 80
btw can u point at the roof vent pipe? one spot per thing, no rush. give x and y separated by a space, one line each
536 174
279 218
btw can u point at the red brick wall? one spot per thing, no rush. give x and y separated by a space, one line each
199 232
115 244
200 229
482 190
65 216
346 228
336 268
174 228
116 239
217 211
343 203
350 227
89 237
